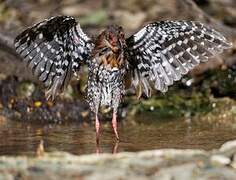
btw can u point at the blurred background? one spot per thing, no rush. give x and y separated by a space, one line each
204 101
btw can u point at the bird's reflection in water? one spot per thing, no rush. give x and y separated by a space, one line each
80 138
114 148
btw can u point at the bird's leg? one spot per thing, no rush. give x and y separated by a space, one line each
97 127
114 125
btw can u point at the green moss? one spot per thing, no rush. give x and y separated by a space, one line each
203 97
174 104
25 89
221 82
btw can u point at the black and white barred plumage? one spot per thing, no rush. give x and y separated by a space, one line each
156 56
107 89
54 49
162 52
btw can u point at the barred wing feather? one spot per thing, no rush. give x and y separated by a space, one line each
53 49
162 52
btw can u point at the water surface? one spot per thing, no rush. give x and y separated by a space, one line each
145 133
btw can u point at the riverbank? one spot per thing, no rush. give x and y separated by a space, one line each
156 164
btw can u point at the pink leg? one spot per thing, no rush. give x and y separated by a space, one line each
97 126
114 125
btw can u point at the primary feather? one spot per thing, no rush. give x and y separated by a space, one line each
162 52
53 49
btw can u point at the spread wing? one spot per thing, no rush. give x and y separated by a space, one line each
54 49
162 52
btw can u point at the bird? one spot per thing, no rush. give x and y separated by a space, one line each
153 58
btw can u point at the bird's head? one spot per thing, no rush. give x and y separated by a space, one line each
112 38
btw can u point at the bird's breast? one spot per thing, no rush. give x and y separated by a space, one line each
108 66
109 76
105 83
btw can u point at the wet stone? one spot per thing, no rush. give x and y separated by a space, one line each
155 164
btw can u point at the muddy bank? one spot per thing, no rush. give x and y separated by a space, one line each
25 101
208 95
156 164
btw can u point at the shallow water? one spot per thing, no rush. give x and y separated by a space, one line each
144 133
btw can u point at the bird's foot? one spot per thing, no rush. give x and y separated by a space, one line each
114 125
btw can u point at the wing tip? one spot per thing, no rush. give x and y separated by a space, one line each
229 44
53 90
